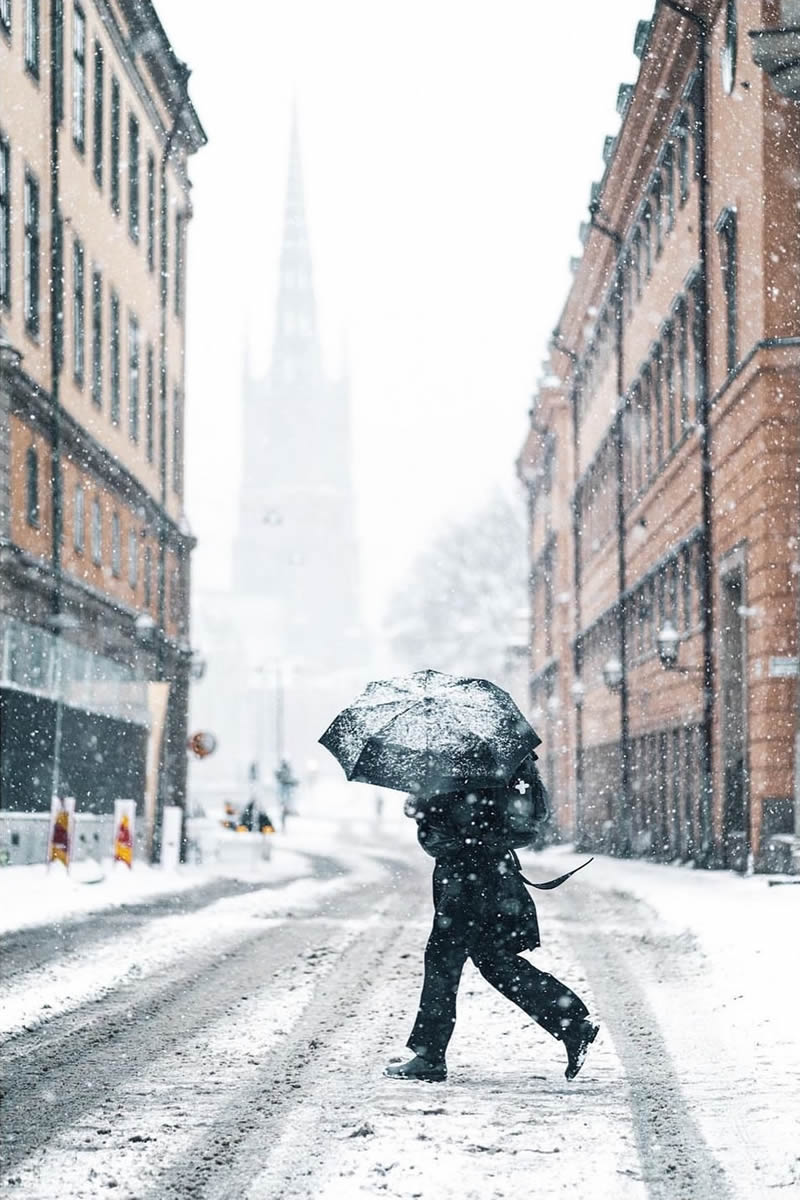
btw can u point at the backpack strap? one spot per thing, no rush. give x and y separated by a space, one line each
551 883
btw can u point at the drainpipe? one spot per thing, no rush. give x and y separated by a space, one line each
707 543
623 823
161 634
56 361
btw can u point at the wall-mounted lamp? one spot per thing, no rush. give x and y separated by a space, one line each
612 674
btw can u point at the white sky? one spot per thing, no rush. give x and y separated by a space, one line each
448 148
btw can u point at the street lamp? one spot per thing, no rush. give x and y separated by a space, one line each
144 627
669 645
668 641
612 674
578 693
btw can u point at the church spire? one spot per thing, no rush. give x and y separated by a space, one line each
296 343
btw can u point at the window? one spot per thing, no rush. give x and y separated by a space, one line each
31 255
148 577
151 210
177 441
657 195
5 223
684 156
79 78
133 378
700 579
79 519
726 230
133 177
32 37
116 546
96 533
58 59
647 240
658 407
179 264
661 597
115 137
97 338
669 385
5 16
682 355
175 596
647 423
133 558
636 256
32 486
114 358
627 285
669 185
728 52
78 313
97 132
149 413
686 581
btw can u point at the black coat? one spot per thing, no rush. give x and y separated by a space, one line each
479 897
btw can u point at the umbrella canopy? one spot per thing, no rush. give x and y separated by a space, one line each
429 733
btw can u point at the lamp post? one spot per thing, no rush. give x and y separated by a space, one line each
668 641
613 674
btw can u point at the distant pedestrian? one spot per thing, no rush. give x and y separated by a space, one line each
286 788
484 912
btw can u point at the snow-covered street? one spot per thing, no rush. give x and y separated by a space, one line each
230 1040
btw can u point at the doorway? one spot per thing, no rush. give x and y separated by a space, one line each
735 797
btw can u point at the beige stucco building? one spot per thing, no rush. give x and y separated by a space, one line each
96 130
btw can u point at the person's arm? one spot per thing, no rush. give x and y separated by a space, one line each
435 832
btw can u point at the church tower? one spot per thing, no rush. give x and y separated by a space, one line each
296 548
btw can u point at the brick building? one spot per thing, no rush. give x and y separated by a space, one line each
96 128
662 459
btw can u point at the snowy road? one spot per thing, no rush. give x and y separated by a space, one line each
234 1047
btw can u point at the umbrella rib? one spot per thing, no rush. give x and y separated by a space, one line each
379 732
472 731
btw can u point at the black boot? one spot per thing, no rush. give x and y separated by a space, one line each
419 1068
578 1038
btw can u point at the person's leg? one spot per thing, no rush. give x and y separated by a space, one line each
543 997
433 1028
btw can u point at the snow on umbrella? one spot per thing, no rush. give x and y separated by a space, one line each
429 733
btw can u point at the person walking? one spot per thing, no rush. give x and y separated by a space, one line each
483 911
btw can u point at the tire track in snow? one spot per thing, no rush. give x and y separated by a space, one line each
57 1070
341 1129
163 1101
676 1161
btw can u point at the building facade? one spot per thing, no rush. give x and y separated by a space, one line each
661 462
96 130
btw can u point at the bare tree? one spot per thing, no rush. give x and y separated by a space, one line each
463 604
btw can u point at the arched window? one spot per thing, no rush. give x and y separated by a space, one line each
97 533
79 520
148 577
133 558
32 486
116 546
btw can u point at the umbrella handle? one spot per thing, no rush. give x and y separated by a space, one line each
551 883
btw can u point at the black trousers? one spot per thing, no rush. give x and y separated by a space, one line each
543 997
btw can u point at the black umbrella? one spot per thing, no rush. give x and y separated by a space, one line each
429 733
